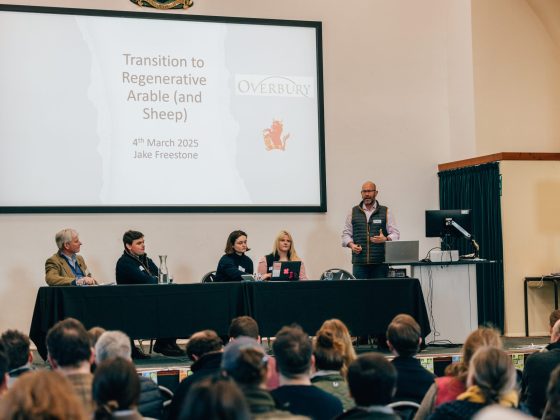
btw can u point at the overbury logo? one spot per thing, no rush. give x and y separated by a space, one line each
273 138
267 85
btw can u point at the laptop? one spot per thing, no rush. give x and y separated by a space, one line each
401 252
285 270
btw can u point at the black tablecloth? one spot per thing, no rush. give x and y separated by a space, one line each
365 306
178 310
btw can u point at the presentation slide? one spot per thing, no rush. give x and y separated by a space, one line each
144 110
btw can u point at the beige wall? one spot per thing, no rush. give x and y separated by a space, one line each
398 101
531 226
516 56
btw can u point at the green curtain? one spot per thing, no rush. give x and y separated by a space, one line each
478 188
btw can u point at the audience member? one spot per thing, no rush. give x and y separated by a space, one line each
403 338
372 381
205 349
94 334
4 368
42 394
70 353
294 361
537 373
66 267
113 344
135 267
246 362
248 327
552 410
340 331
283 249
216 398
329 360
491 380
16 346
234 263
116 389
448 387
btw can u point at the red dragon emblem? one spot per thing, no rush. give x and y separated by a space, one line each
273 138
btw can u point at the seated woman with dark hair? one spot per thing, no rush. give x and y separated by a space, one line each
234 263
116 390
282 250
215 398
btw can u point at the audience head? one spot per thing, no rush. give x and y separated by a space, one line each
340 332
555 332
328 351
41 394
245 361
404 335
236 243
483 336
94 334
16 346
554 316
202 343
293 351
115 386
243 326
67 240
68 344
372 380
134 242
215 398
4 369
553 394
492 371
112 344
285 243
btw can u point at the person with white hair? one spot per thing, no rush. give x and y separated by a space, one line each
66 267
113 344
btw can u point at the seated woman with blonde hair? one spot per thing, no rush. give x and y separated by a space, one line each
282 250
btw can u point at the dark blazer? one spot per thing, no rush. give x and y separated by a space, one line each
134 270
228 267
413 381
59 273
535 378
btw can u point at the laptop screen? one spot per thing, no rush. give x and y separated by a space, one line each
286 270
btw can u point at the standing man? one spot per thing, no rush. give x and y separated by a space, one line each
66 267
368 226
135 267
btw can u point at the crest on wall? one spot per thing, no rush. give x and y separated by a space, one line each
164 4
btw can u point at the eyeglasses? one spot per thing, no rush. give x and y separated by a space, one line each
368 191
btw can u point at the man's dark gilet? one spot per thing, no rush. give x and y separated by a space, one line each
362 230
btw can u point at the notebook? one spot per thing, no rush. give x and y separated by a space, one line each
286 270
401 251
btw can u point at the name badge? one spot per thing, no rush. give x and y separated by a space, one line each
141 268
377 221
241 268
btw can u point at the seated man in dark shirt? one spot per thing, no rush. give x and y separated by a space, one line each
372 380
293 351
403 338
135 267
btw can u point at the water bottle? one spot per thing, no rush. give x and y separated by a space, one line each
163 273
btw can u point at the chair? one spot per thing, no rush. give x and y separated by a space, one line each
167 396
405 409
337 274
209 277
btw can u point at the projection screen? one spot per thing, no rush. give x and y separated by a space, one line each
149 112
